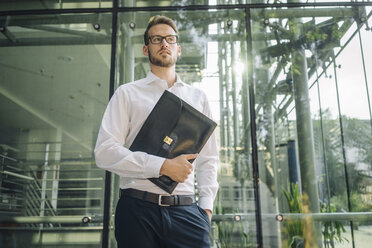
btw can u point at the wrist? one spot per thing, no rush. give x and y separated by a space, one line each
163 168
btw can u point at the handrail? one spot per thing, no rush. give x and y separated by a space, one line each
283 217
62 219
53 228
16 175
6 157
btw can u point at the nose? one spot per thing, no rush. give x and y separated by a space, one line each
164 42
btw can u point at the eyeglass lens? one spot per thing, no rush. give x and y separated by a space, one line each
157 39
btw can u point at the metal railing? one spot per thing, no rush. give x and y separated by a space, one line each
282 217
21 191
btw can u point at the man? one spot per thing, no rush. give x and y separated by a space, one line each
141 220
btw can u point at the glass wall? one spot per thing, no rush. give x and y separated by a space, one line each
290 89
52 4
313 124
54 72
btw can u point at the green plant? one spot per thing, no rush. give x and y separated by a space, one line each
224 233
231 234
293 229
332 230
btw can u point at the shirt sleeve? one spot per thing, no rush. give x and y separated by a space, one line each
207 164
110 153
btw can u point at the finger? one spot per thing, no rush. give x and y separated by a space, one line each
191 156
182 180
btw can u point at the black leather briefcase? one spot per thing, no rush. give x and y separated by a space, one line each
173 128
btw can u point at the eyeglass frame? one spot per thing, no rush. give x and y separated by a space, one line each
163 38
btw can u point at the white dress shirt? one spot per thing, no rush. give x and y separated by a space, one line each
124 116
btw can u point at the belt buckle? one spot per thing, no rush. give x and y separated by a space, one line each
159 201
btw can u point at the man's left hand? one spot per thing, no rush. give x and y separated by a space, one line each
209 212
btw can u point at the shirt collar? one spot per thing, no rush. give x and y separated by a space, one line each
151 77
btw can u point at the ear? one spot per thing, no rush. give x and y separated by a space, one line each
178 50
145 50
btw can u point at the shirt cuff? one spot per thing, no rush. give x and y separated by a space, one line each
153 166
206 203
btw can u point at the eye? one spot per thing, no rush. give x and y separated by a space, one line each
156 39
171 39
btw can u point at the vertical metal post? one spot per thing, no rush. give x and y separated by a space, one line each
245 104
305 142
221 95
56 168
245 139
272 178
107 194
269 175
294 170
233 97
44 181
304 127
312 231
253 130
128 53
235 117
227 97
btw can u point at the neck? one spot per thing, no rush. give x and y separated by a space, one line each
166 73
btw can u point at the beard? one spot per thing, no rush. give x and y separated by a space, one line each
162 63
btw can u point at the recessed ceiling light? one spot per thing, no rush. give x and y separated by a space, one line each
65 58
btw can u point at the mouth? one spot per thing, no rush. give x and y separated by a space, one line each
164 51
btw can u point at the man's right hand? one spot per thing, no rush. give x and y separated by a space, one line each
178 168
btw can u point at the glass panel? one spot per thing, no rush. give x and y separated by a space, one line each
368 59
54 74
357 128
310 160
52 4
54 83
213 59
164 3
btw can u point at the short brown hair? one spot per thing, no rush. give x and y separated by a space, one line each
159 20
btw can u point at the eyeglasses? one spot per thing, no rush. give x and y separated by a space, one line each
158 39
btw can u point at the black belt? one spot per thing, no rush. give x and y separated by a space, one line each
161 200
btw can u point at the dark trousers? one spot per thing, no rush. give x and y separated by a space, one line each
141 224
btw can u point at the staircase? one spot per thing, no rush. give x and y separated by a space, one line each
71 188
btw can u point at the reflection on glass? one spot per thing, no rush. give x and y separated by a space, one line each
161 3
54 73
50 4
311 113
